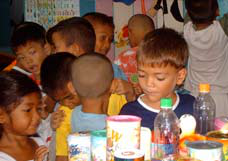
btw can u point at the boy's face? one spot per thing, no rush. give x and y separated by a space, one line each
159 82
31 55
104 37
47 107
66 98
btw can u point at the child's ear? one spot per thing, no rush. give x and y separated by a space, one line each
181 76
71 88
47 48
2 116
75 49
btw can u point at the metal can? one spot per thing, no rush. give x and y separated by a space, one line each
205 150
79 147
123 132
128 155
98 145
222 137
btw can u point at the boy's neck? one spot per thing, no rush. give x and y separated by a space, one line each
95 105
156 105
202 26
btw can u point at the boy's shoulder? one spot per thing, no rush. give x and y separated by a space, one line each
185 105
131 107
186 98
65 108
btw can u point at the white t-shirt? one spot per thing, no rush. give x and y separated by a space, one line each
208 62
6 157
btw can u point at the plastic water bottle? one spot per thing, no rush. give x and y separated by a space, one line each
166 131
204 110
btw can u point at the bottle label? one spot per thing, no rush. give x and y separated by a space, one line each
162 150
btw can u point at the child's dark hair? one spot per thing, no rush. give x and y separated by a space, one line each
97 17
201 11
75 30
163 47
14 86
56 72
26 32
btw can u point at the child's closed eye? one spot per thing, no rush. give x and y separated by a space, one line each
102 38
27 109
160 78
141 75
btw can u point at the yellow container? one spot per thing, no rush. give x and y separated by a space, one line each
222 137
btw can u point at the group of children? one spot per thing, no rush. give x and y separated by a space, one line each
62 82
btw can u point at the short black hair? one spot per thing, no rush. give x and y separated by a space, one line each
14 86
201 11
101 18
75 30
26 32
56 72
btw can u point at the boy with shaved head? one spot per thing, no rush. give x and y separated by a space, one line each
92 78
138 26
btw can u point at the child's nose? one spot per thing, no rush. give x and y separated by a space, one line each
29 60
150 82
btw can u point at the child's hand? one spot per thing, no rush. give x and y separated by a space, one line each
123 87
41 153
56 119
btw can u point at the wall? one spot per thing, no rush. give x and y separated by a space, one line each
5 27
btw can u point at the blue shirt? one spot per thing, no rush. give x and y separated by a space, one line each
183 105
81 121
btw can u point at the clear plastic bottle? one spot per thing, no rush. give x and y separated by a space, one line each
166 131
204 110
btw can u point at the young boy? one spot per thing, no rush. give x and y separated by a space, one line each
161 61
30 46
44 129
104 30
94 90
76 35
208 48
55 78
138 26
71 123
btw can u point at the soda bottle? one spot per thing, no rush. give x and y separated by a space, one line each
166 131
204 110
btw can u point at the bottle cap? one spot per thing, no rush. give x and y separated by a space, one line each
204 87
166 103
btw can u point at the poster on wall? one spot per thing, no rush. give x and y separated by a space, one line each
49 12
